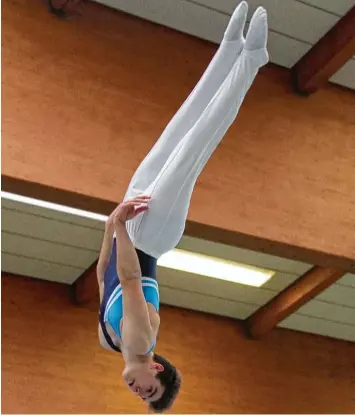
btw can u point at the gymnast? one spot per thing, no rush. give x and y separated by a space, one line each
151 219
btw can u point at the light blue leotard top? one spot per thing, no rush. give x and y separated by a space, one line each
111 309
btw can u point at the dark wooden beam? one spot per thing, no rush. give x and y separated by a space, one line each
193 229
312 283
85 288
326 57
65 8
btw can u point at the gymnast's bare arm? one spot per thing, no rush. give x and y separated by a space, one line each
137 331
105 254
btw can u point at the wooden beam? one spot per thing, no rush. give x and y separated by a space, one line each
65 8
313 282
326 57
85 288
193 229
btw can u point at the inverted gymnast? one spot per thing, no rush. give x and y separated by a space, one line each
151 219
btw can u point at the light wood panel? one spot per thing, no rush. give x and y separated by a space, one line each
322 7
51 230
335 306
62 257
211 304
62 369
339 294
292 299
321 326
32 210
294 26
276 170
288 18
40 269
45 250
346 75
327 56
331 313
339 7
42 243
214 296
348 279
225 289
209 23
258 259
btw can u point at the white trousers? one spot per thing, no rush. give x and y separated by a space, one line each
170 170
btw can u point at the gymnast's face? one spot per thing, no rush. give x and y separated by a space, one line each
142 381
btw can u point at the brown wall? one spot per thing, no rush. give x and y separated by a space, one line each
85 99
52 362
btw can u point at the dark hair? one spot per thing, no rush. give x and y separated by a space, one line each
171 380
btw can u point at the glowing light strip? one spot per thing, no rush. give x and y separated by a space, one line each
53 206
176 259
215 268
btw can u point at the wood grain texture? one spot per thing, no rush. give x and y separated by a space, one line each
291 299
84 101
85 289
193 229
52 362
327 56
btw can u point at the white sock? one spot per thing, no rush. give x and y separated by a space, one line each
234 31
258 30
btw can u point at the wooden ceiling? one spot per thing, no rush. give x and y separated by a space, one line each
316 38
84 147
55 246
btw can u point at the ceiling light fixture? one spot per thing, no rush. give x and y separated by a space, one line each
215 268
177 259
53 206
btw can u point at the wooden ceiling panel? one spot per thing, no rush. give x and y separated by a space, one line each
327 56
294 26
320 326
338 7
35 268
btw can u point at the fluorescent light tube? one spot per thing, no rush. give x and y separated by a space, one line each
53 206
215 268
176 259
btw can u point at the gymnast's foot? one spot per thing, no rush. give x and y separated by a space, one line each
258 30
256 39
235 29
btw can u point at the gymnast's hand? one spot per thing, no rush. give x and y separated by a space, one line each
129 209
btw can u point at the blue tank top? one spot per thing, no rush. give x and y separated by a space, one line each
111 308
